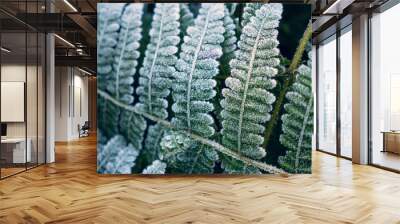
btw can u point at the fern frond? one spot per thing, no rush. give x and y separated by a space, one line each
185 155
126 53
247 100
155 75
229 44
186 18
228 47
118 41
231 8
101 138
205 141
249 11
132 126
107 36
152 142
193 87
234 166
116 157
297 124
291 72
107 117
157 167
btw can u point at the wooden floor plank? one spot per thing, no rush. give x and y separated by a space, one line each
70 191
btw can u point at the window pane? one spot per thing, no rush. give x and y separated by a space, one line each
327 96
385 84
346 94
15 150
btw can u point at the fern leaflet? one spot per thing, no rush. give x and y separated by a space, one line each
193 87
186 19
185 155
297 124
116 156
249 11
158 67
156 167
152 143
126 53
247 101
107 36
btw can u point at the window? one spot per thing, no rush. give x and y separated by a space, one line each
22 77
327 96
385 89
346 93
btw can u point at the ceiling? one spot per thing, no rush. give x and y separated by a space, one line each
75 22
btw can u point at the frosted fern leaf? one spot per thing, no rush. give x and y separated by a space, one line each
247 100
119 33
133 126
157 167
297 124
249 11
107 36
158 67
186 18
229 44
228 47
101 138
116 157
184 155
193 86
152 146
126 54
108 116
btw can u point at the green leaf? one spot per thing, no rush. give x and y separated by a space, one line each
156 167
247 100
152 146
107 36
119 34
297 124
193 86
186 18
249 11
126 54
185 155
133 126
158 67
116 157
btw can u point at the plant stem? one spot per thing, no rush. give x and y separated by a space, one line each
287 83
215 145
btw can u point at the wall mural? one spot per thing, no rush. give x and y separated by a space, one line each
204 88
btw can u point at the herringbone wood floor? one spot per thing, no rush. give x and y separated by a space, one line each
70 191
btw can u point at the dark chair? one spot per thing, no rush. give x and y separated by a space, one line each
84 130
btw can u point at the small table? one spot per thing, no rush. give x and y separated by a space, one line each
391 141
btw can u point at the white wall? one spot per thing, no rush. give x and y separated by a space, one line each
71 87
